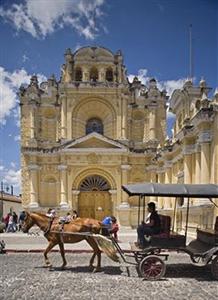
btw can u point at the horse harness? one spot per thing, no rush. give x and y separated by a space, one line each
61 227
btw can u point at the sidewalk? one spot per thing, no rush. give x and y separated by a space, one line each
36 242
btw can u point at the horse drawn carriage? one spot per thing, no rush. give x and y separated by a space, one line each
150 261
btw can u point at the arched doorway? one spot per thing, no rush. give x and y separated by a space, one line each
94 198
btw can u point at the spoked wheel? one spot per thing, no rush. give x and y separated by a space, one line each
214 267
152 267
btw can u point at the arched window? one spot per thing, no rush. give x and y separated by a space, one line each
109 75
94 125
94 183
78 74
93 74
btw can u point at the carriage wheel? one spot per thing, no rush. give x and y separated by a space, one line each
152 267
214 267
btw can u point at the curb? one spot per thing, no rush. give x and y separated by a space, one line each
75 251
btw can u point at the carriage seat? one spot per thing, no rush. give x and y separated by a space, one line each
208 236
165 223
165 238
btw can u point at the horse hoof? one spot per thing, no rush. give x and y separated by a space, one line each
48 265
97 270
63 267
91 268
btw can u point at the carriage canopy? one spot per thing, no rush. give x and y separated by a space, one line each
172 190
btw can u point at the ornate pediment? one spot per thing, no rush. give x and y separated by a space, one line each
95 140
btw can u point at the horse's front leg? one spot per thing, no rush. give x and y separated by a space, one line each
61 245
50 246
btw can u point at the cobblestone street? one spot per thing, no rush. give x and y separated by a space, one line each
24 277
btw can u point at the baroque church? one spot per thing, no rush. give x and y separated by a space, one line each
88 133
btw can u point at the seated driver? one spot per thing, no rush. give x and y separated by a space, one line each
151 227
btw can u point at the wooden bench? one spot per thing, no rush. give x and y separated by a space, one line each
166 238
209 236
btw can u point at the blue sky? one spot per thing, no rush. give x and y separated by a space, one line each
152 34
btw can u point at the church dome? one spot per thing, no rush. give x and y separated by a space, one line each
93 54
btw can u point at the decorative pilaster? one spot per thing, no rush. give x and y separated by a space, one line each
114 201
32 122
197 164
205 139
63 186
152 122
33 171
124 178
168 179
75 201
64 118
124 115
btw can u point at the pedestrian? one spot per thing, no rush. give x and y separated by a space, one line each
51 213
21 220
106 226
6 220
15 220
75 214
65 219
11 226
114 228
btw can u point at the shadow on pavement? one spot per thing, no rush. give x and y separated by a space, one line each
189 271
84 269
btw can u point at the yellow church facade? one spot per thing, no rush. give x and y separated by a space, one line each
87 134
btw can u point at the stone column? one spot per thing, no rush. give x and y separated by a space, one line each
64 118
63 186
161 180
205 139
114 201
187 166
75 202
124 209
153 180
152 122
205 163
197 165
124 116
33 171
102 75
168 179
124 176
85 74
32 121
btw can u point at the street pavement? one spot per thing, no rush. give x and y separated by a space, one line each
23 276
36 242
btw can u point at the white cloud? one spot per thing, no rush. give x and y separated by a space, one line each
25 58
171 85
11 176
17 138
9 84
142 76
40 18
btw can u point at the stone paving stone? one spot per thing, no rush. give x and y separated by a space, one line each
23 276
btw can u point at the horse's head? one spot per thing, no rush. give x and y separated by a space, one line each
27 223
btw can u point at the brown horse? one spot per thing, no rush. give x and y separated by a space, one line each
54 233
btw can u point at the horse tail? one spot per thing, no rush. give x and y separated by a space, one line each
107 247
